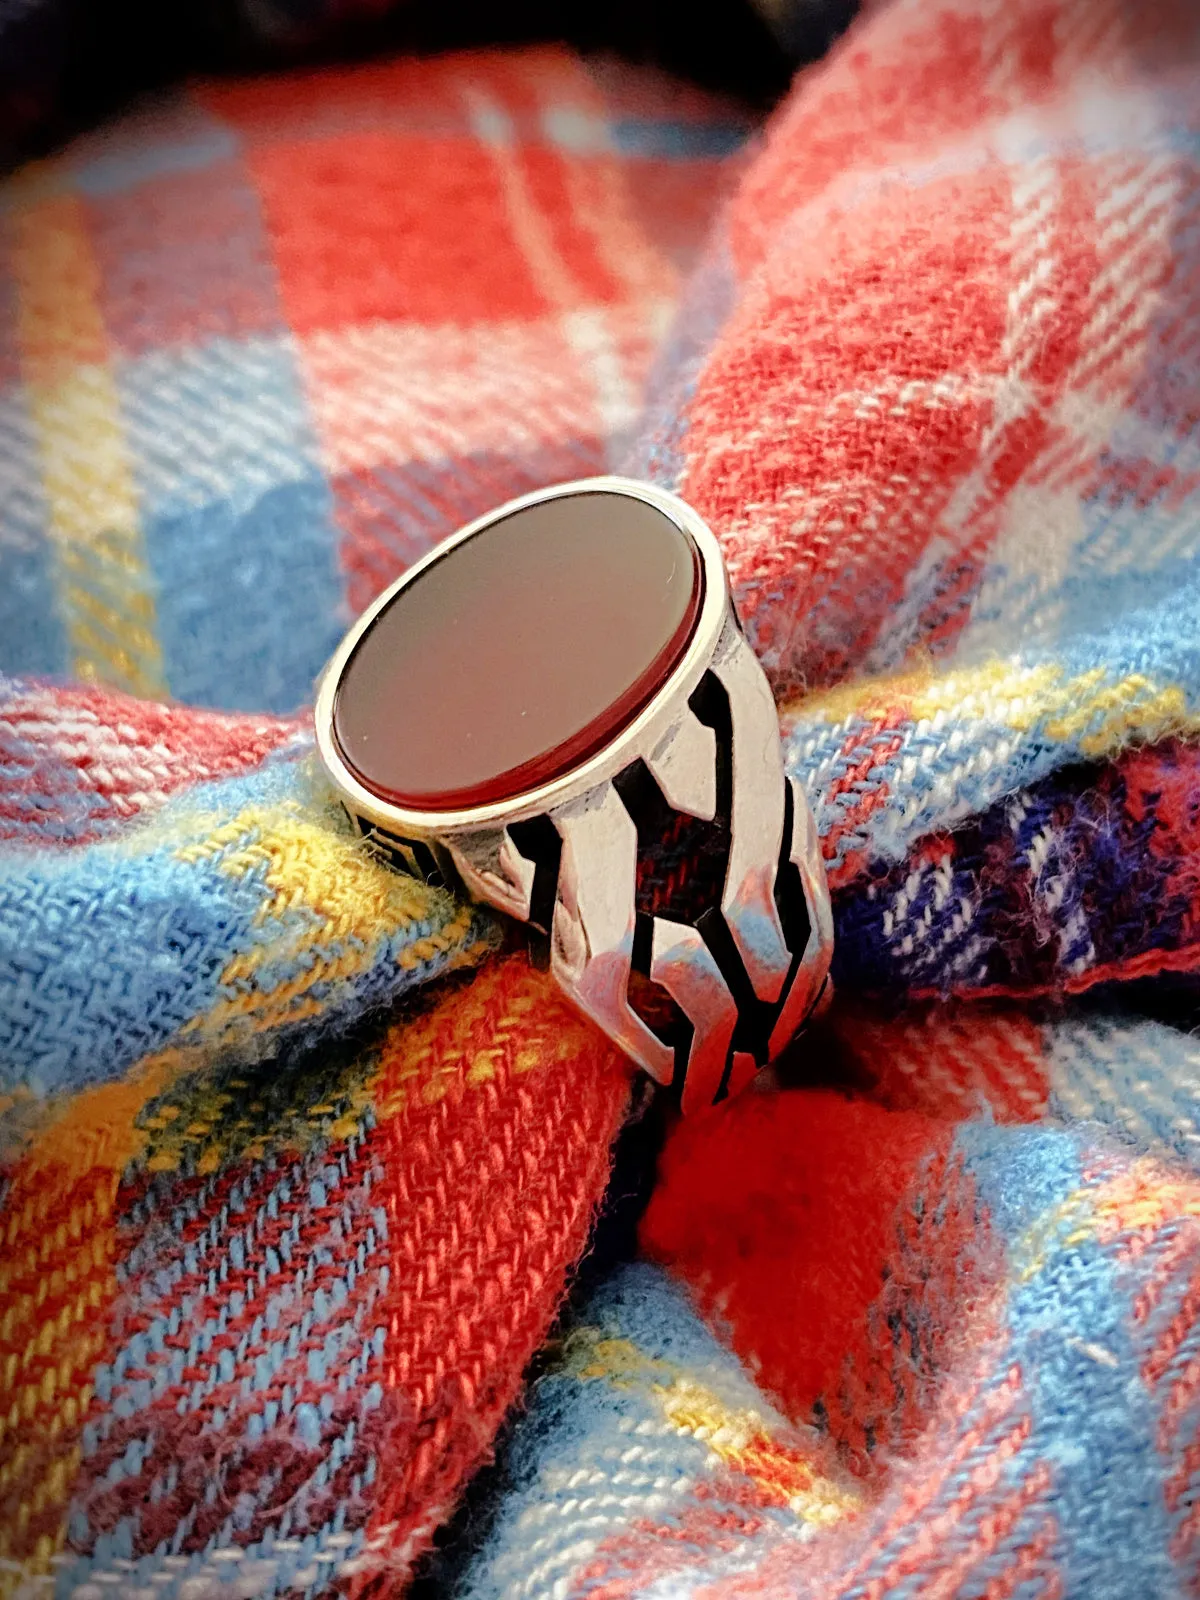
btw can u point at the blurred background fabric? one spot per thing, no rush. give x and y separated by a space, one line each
65 63
318 1207
268 340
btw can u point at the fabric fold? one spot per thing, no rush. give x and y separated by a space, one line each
285 1222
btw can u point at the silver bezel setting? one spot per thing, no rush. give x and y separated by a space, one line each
642 734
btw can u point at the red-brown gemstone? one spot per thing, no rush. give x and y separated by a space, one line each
518 654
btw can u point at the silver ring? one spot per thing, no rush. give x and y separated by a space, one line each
666 867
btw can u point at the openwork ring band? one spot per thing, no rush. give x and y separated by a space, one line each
556 710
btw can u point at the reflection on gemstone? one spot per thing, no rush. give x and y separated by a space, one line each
519 653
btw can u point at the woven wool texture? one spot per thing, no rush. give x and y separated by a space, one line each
299 1157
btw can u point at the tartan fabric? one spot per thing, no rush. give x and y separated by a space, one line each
282 1232
972 1299
266 343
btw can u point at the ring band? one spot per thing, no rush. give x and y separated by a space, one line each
667 868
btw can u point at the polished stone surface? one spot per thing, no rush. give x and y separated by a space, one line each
518 654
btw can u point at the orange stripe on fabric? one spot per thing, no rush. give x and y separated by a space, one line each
924 1550
1183 1479
1181 1326
1033 1560
1162 1274
57 1284
552 185
497 1110
994 1404
59 324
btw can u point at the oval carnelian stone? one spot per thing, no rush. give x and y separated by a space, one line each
519 653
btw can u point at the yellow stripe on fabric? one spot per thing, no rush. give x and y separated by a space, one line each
335 903
104 586
1137 1203
209 1119
508 1016
1112 715
1069 1222
57 1283
737 1436
1099 714
741 1439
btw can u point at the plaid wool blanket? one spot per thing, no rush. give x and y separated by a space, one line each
315 1276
